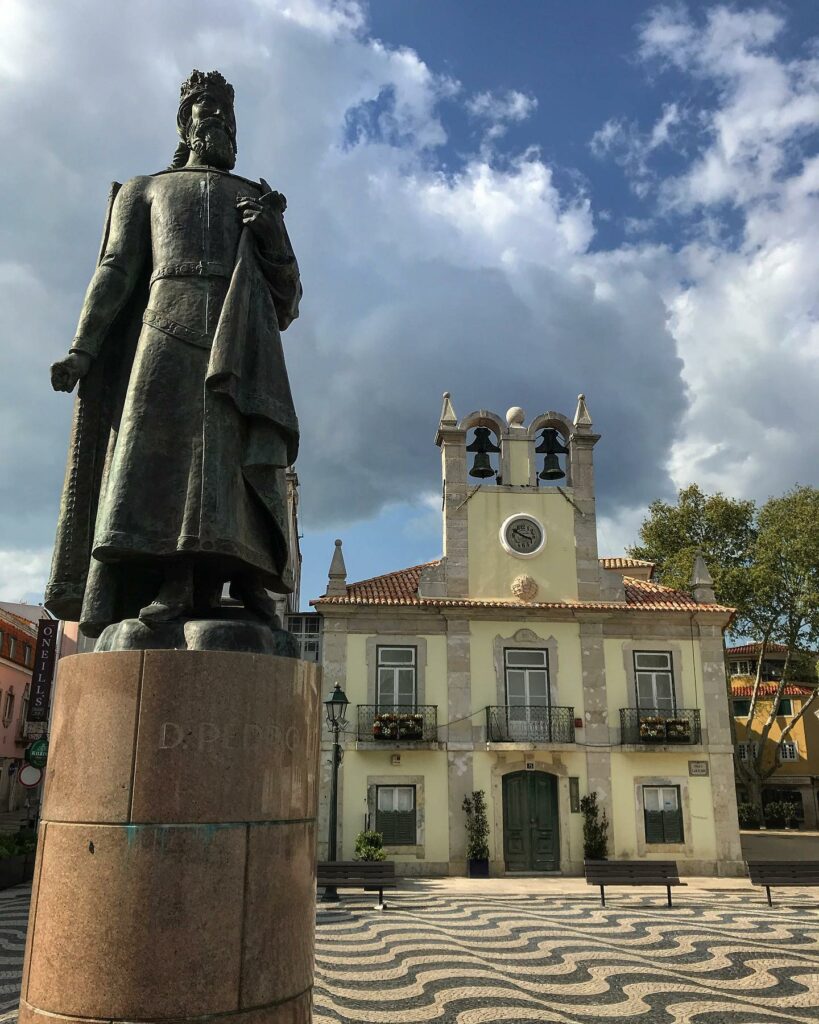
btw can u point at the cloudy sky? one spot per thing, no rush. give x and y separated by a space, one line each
514 202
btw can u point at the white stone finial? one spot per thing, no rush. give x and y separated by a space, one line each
581 416
448 417
515 416
337 576
702 586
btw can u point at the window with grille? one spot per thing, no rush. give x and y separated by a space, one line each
526 674
654 681
744 750
307 631
395 815
788 751
663 814
396 676
742 708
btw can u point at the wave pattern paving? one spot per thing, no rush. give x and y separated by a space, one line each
711 959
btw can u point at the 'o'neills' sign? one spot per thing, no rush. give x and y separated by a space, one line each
45 657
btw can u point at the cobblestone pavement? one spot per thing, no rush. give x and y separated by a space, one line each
473 957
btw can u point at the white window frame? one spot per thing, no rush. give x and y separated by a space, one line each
737 700
789 748
8 708
662 791
742 750
654 672
12 647
384 669
785 714
528 720
395 791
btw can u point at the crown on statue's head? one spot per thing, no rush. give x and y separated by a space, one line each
200 81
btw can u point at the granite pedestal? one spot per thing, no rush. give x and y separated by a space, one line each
175 875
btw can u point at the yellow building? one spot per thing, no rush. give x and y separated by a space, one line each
523 665
795 761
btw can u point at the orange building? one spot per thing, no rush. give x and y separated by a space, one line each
796 774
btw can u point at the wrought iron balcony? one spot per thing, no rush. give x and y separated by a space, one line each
517 724
660 725
398 723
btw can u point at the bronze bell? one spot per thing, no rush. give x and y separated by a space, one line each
482 446
552 447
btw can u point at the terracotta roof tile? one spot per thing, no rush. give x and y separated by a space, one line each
743 689
624 563
18 621
747 649
401 588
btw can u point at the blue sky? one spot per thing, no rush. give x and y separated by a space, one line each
510 202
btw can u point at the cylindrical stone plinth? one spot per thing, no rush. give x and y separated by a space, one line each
175 874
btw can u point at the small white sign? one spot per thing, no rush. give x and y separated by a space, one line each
698 768
30 776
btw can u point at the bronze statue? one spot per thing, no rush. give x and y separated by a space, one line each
184 423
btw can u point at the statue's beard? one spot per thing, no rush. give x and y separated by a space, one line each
210 141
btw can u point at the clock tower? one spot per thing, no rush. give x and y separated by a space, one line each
519 518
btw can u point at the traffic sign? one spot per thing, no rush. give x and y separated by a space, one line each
37 753
30 776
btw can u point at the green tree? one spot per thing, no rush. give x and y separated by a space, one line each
765 563
722 528
781 605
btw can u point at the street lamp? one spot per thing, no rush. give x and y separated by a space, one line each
336 709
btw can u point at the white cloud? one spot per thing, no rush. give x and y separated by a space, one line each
23 573
482 280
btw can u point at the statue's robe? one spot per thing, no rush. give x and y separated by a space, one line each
185 425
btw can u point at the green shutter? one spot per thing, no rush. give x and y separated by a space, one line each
655 832
397 827
673 826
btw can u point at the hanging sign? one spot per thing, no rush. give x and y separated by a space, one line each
45 658
37 753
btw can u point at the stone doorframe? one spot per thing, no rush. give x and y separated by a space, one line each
545 762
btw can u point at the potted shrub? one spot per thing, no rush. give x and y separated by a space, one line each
595 829
748 816
477 835
369 846
16 858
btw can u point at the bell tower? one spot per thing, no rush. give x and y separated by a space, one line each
519 519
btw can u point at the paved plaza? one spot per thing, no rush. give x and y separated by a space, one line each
454 950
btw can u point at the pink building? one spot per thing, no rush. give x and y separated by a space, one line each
18 635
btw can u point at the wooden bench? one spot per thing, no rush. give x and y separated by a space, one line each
783 873
632 872
358 874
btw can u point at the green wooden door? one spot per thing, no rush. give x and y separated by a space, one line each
531 837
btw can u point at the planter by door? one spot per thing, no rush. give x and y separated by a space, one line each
12 871
531 833
478 868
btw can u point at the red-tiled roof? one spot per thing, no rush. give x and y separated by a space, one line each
401 588
19 622
747 649
769 689
624 563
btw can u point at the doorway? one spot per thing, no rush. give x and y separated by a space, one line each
531 834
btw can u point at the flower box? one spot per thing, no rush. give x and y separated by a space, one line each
678 730
652 729
395 726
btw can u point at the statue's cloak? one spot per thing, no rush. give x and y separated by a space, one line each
247 394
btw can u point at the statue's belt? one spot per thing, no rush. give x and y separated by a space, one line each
162 322
203 268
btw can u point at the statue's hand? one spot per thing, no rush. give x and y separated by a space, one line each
263 215
66 372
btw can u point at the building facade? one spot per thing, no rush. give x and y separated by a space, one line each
794 760
523 665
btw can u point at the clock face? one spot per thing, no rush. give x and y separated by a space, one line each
523 535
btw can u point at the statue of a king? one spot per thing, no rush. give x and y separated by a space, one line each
184 424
